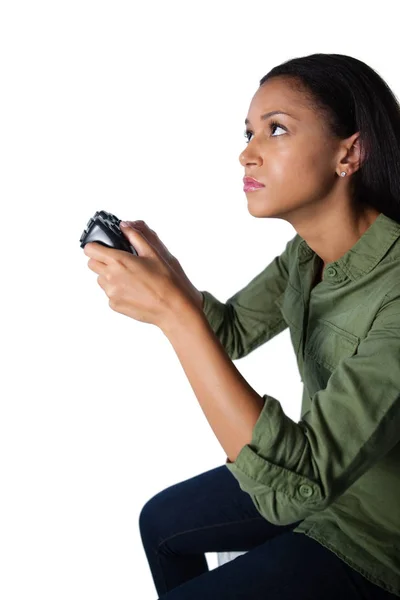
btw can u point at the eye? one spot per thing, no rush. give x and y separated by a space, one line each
272 126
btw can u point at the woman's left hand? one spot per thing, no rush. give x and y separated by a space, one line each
143 287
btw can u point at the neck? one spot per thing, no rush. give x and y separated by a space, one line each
335 232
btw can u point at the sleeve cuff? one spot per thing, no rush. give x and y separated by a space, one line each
260 467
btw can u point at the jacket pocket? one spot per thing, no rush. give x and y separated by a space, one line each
326 346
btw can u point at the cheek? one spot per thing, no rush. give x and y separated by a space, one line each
289 170
288 159
308 168
294 180
298 168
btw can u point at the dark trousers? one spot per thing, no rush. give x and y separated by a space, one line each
210 513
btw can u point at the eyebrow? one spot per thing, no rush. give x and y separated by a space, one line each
269 114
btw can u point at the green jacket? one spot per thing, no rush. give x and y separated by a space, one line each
338 468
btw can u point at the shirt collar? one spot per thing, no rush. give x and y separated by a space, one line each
366 253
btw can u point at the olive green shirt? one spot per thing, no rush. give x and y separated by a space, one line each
337 470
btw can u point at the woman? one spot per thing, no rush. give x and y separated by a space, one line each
314 504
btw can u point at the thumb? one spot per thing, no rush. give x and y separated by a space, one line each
136 239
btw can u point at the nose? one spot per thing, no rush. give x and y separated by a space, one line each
244 158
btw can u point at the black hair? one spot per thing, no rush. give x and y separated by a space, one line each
351 97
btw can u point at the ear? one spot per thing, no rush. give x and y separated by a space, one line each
357 152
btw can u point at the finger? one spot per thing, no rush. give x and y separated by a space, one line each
99 252
143 227
97 266
148 233
138 240
152 236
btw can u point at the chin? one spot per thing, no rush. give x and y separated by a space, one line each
264 211
273 208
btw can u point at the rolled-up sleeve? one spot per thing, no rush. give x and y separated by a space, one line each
292 470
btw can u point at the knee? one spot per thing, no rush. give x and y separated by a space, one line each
146 514
151 518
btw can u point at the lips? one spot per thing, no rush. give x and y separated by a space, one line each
250 182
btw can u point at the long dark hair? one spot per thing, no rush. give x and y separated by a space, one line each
352 97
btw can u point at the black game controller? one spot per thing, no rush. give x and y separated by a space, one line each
104 229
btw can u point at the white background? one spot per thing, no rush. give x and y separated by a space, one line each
136 108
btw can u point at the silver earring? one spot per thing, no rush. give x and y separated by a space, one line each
343 173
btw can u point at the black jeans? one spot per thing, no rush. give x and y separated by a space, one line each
210 513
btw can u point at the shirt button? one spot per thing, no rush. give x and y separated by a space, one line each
331 271
306 490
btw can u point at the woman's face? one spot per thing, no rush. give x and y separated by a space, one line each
295 160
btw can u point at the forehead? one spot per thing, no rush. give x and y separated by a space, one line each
277 94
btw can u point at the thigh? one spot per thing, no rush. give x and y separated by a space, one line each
289 566
206 513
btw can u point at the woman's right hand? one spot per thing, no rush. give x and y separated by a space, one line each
166 255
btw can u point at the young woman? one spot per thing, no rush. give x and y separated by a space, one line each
314 504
